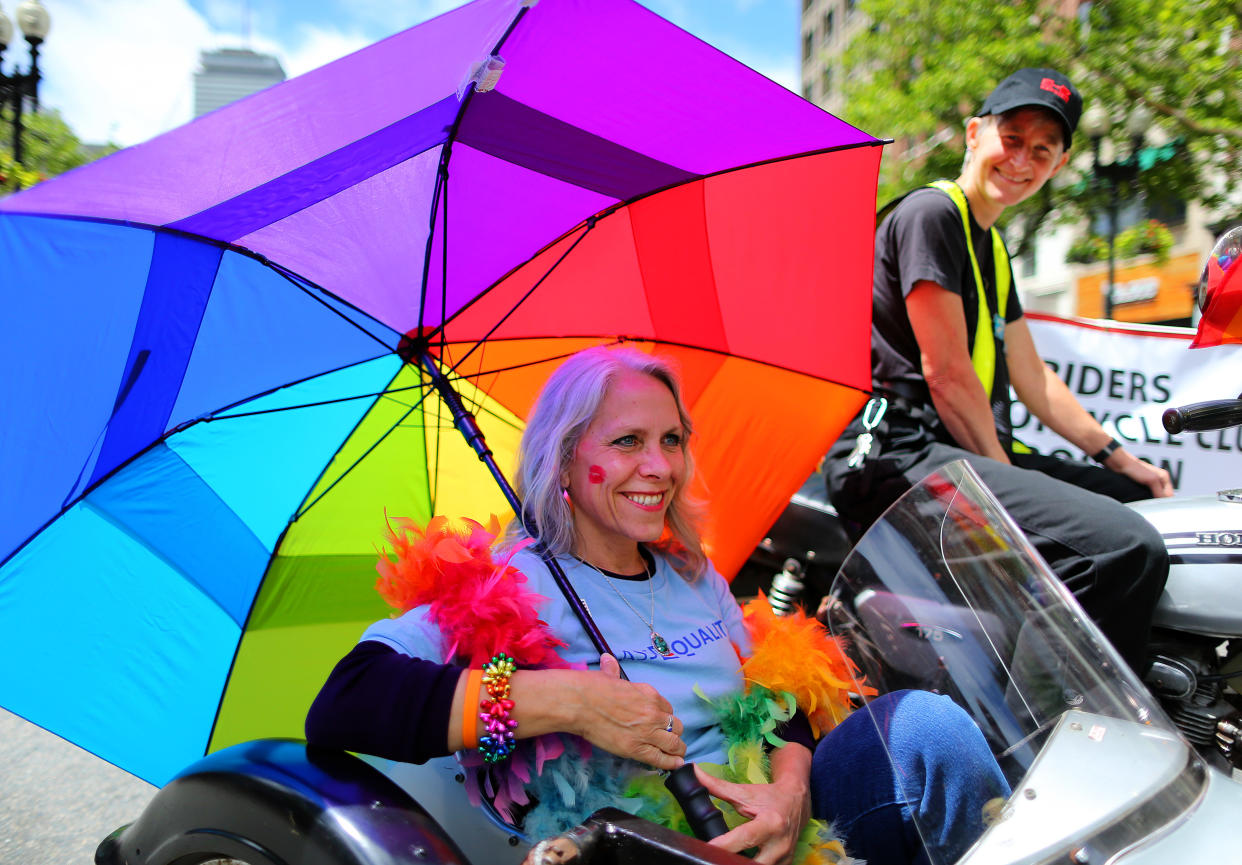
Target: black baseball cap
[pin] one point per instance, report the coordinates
(1042, 88)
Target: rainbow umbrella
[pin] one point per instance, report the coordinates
(207, 406)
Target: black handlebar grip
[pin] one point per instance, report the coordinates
(704, 817)
(1214, 414)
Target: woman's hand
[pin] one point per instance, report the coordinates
(777, 812)
(629, 719)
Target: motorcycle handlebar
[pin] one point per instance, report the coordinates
(1214, 414)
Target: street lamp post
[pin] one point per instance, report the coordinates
(18, 86)
(1116, 174)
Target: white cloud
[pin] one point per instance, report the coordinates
(121, 71)
(357, 23)
(314, 46)
(227, 16)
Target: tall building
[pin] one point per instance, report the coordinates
(231, 73)
(827, 28)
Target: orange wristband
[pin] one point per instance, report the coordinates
(470, 710)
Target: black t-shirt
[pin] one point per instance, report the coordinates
(922, 239)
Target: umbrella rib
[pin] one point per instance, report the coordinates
(302, 511)
(267, 570)
(621, 339)
(433, 486)
(553, 358)
(478, 407)
(590, 223)
(613, 208)
(300, 281)
(317, 404)
(442, 180)
(306, 286)
(184, 425)
(214, 415)
(441, 174)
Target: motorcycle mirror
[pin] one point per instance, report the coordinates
(1221, 269)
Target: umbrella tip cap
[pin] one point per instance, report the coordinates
(413, 345)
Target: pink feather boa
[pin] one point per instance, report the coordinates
(480, 606)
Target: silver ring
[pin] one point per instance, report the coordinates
(668, 728)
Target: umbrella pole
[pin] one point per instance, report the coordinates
(469, 428)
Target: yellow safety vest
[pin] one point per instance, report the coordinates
(983, 353)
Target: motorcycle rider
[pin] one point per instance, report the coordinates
(948, 340)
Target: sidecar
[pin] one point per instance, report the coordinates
(943, 594)
(281, 801)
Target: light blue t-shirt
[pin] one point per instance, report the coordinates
(700, 620)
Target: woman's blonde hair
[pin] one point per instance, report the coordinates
(568, 403)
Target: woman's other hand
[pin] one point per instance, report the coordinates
(776, 812)
(629, 719)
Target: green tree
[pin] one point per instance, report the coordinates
(922, 69)
(49, 147)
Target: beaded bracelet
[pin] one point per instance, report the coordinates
(470, 715)
(497, 744)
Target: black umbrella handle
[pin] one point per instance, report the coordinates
(704, 818)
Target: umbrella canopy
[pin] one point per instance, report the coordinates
(205, 415)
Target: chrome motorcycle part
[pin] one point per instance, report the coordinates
(1229, 739)
(787, 588)
(1203, 535)
(1170, 678)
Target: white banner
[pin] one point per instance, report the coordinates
(1126, 376)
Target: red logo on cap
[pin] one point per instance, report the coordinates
(1059, 89)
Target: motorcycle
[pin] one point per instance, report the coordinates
(1195, 656)
(942, 594)
(1196, 646)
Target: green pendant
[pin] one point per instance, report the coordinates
(660, 644)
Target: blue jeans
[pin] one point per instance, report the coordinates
(925, 804)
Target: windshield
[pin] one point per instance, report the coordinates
(945, 594)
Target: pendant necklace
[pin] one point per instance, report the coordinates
(657, 642)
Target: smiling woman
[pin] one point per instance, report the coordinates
(604, 466)
(629, 466)
(1009, 158)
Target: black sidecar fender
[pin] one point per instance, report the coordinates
(281, 802)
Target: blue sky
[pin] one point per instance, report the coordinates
(121, 70)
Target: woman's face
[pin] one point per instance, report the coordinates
(628, 466)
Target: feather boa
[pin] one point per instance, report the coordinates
(794, 655)
(481, 607)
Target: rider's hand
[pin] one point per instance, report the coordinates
(777, 813)
(629, 719)
(1154, 478)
